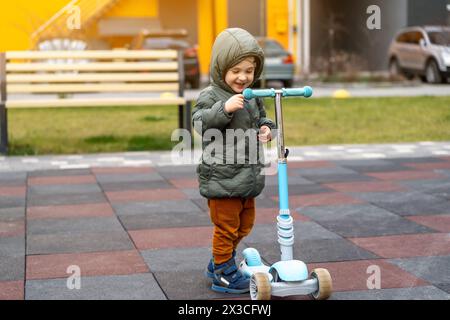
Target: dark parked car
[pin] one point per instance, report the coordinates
(279, 63)
(190, 56)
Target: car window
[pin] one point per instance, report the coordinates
(441, 38)
(412, 37)
(403, 38)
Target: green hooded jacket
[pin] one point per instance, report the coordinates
(228, 168)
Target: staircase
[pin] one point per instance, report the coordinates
(57, 26)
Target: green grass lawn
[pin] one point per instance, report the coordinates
(307, 122)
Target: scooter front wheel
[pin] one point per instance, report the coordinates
(324, 282)
(260, 288)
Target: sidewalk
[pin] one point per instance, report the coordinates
(143, 232)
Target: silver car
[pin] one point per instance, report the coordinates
(422, 51)
(279, 63)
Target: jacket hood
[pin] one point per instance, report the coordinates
(231, 47)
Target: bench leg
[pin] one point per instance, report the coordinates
(180, 116)
(188, 117)
(3, 129)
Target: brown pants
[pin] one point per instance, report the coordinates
(233, 219)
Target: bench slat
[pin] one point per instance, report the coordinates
(113, 87)
(95, 66)
(87, 77)
(93, 54)
(52, 103)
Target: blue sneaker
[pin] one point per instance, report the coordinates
(229, 279)
(210, 268)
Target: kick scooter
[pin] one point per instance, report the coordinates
(288, 276)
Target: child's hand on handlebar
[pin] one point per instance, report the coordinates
(236, 102)
(265, 134)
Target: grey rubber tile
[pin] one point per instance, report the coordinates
(123, 287)
(140, 185)
(78, 242)
(73, 226)
(12, 258)
(63, 189)
(11, 202)
(192, 193)
(331, 178)
(417, 160)
(59, 172)
(65, 199)
(415, 293)
(436, 188)
(273, 181)
(434, 269)
(444, 287)
(362, 221)
(16, 177)
(320, 250)
(190, 285)
(104, 178)
(133, 208)
(7, 214)
(417, 207)
(154, 220)
(298, 189)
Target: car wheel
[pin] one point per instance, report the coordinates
(394, 69)
(432, 73)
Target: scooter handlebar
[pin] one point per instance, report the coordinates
(264, 93)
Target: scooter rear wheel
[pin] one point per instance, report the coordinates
(325, 284)
(260, 288)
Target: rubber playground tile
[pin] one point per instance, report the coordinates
(12, 290)
(178, 259)
(439, 223)
(14, 213)
(46, 180)
(361, 275)
(63, 189)
(56, 173)
(321, 199)
(65, 199)
(12, 258)
(404, 246)
(78, 242)
(73, 226)
(161, 207)
(202, 203)
(13, 191)
(145, 195)
(415, 293)
(121, 170)
(325, 171)
(310, 164)
(10, 178)
(297, 180)
(117, 287)
(167, 220)
(444, 287)
(70, 211)
(362, 221)
(172, 237)
(12, 228)
(192, 193)
(367, 186)
(267, 233)
(405, 175)
(120, 186)
(184, 183)
(428, 166)
(434, 269)
(190, 285)
(417, 207)
(298, 189)
(90, 264)
(269, 215)
(372, 165)
(130, 177)
(316, 250)
(11, 202)
(417, 160)
(334, 178)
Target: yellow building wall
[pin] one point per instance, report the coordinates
(277, 21)
(135, 9)
(19, 18)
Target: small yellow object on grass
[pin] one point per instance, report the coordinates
(341, 94)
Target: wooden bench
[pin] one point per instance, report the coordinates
(91, 78)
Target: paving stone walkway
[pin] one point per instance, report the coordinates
(144, 232)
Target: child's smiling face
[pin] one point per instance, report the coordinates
(240, 76)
